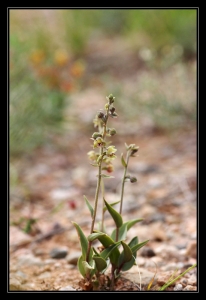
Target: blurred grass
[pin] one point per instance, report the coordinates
(48, 53)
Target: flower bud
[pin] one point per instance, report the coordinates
(112, 131)
(111, 99)
(100, 115)
(96, 135)
(133, 179)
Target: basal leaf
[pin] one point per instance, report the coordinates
(80, 266)
(128, 265)
(126, 254)
(94, 236)
(87, 267)
(133, 242)
(138, 246)
(132, 222)
(100, 262)
(83, 240)
(107, 252)
(106, 241)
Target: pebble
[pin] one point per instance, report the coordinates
(178, 287)
(147, 252)
(73, 258)
(58, 253)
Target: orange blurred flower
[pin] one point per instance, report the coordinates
(61, 57)
(77, 69)
(37, 56)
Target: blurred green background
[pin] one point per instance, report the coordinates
(147, 56)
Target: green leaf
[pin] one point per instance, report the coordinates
(123, 161)
(94, 236)
(87, 267)
(133, 242)
(126, 254)
(132, 222)
(100, 262)
(115, 215)
(138, 246)
(106, 241)
(128, 265)
(89, 206)
(81, 267)
(107, 252)
(122, 233)
(83, 240)
(112, 204)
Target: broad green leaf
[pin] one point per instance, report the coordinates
(115, 215)
(80, 266)
(107, 252)
(123, 161)
(122, 233)
(112, 204)
(138, 246)
(89, 206)
(126, 254)
(87, 267)
(94, 236)
(132, 222)
(95, 251)
(133, 242)
(83, 240)
(106, 241)
(100, 262)
(128, 265)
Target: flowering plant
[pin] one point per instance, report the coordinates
(115, 254)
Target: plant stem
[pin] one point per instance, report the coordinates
(102, 223)
(95, 207)
(97, 189)
(122, 190)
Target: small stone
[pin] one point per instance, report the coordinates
(73, 258)
(147, 252)
(178, 287)
(184, 281)
(59, 253)
(192, 280)
(45, 275)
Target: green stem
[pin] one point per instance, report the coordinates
(102, 223)
(97, 189)
(122, 190)
(95, 207)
